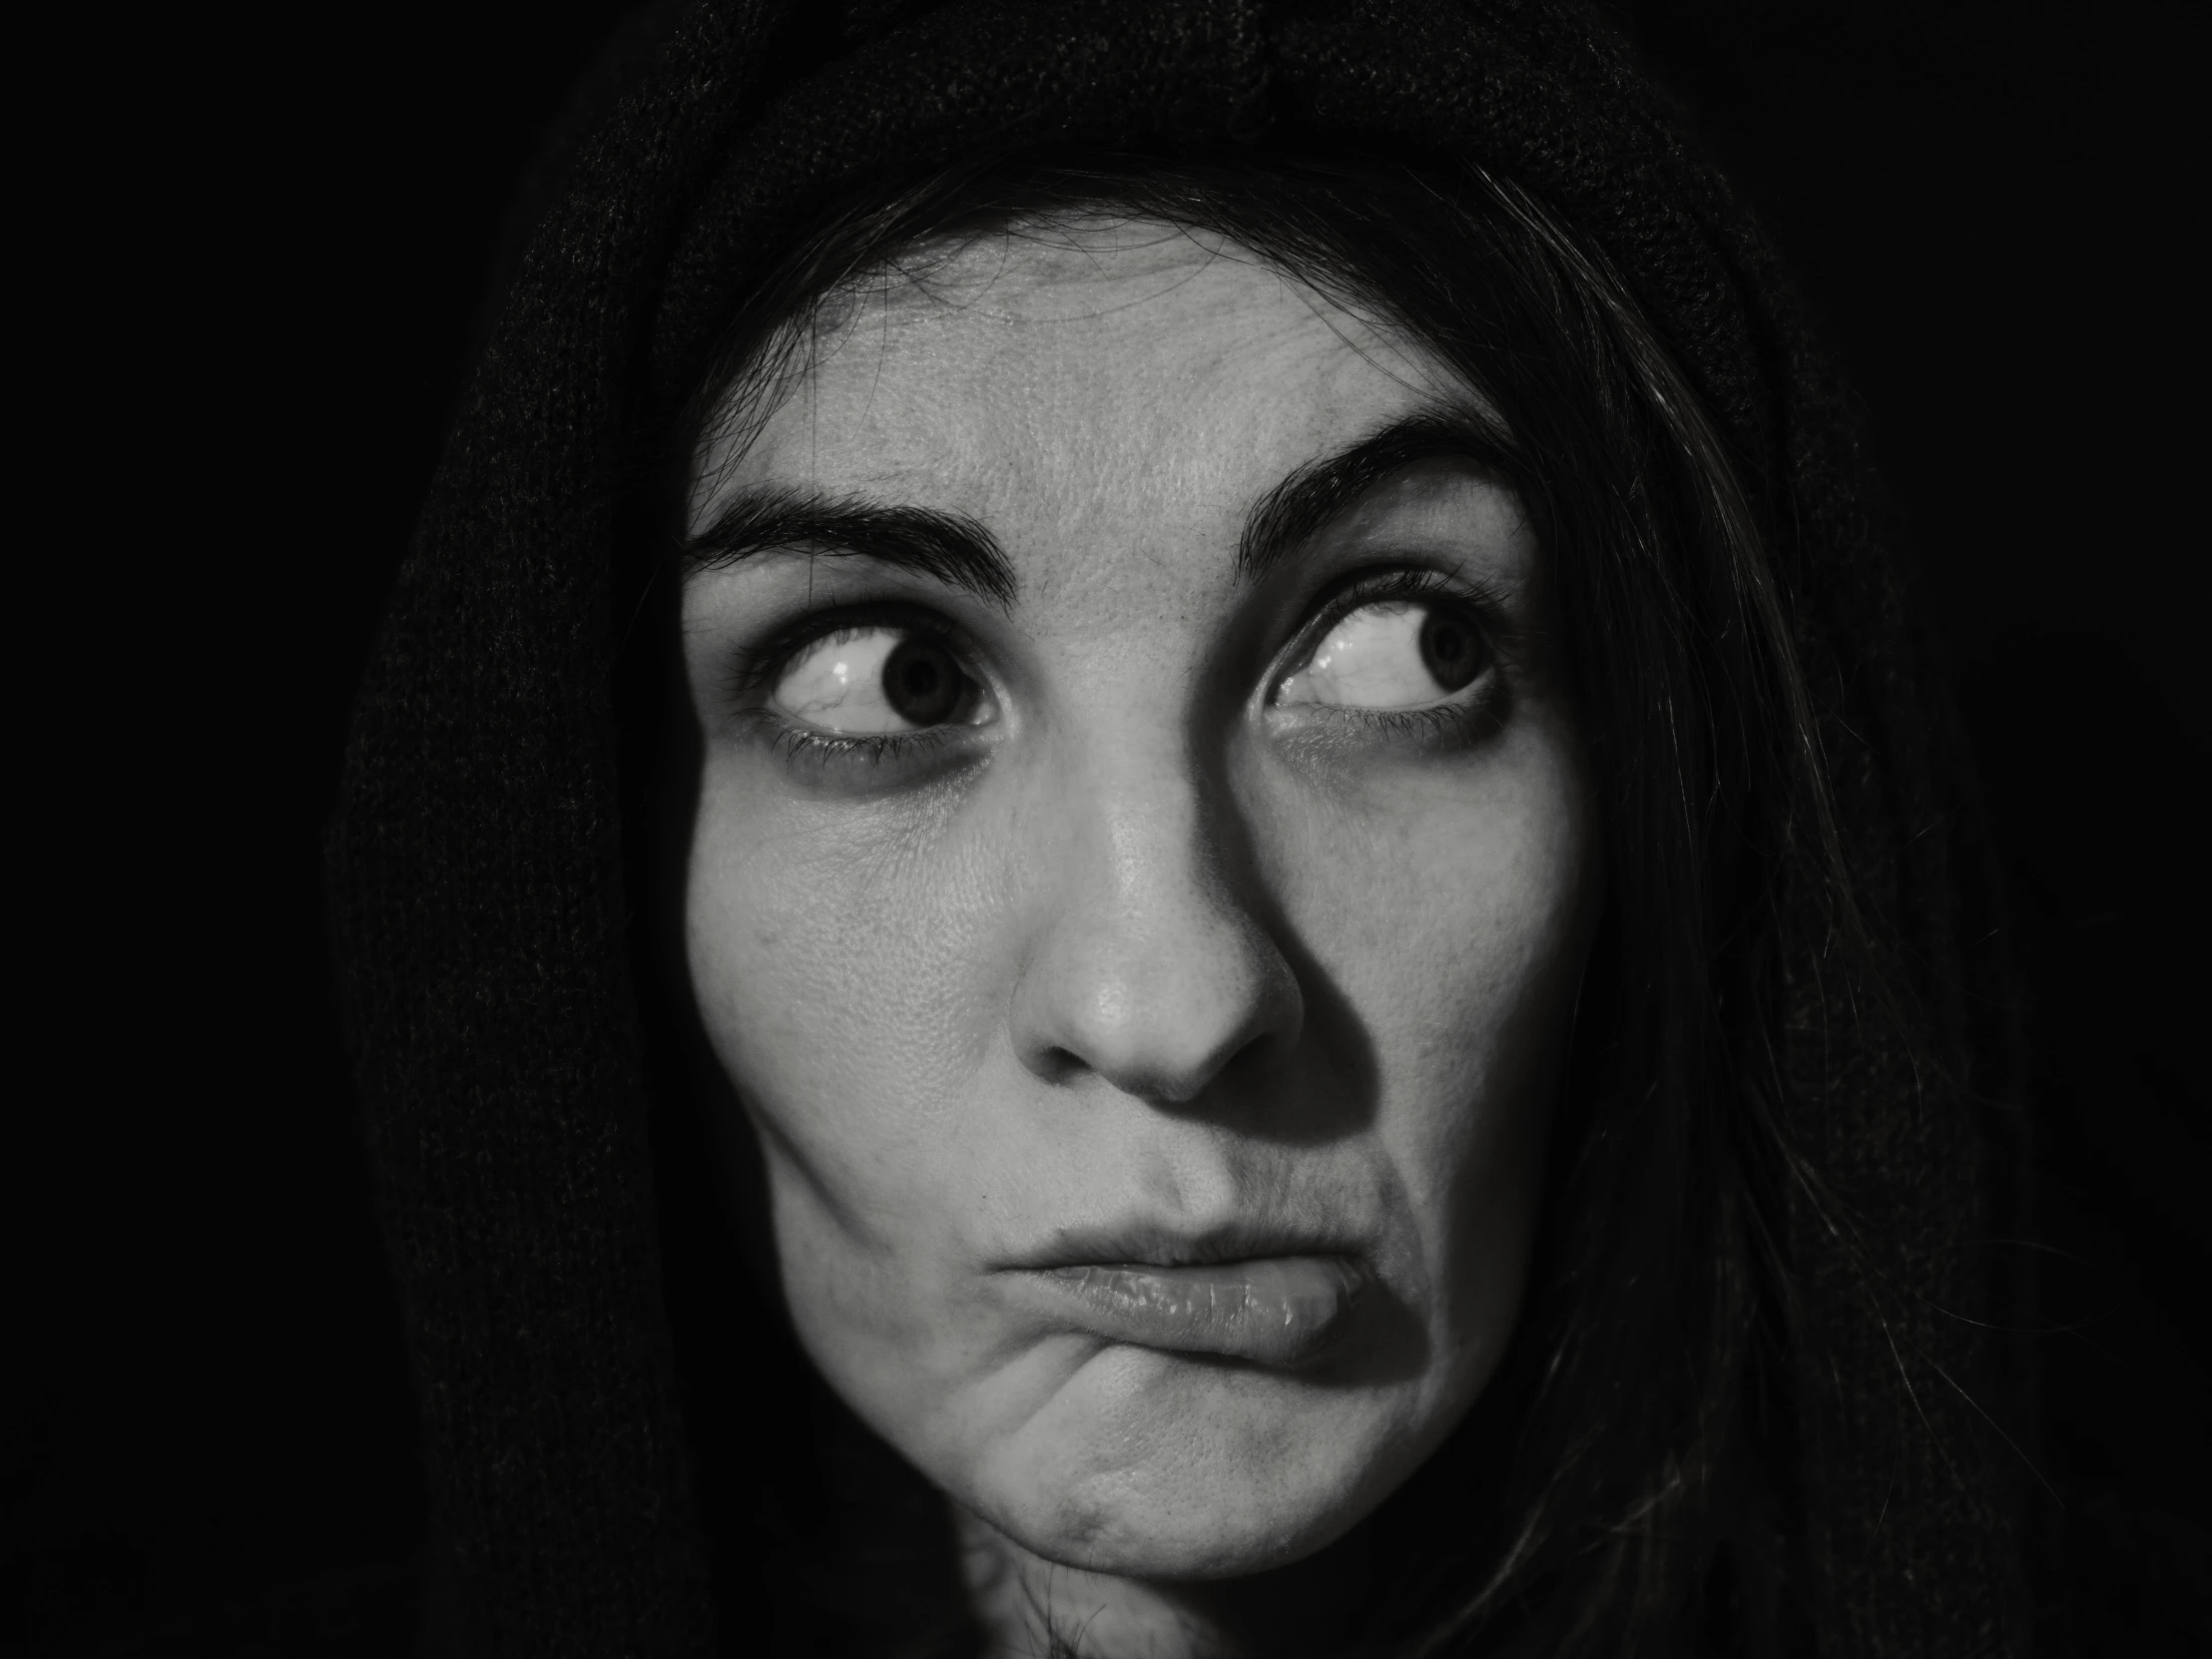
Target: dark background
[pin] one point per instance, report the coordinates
(209, 1442)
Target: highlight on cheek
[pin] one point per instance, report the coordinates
(1399, 653)
(875, 681)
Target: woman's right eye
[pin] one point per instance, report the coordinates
(877, 682)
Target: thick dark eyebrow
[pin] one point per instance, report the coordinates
(1319, 491)
(946, 547)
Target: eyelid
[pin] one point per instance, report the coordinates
(1398, 583)
(821, 750)
(759, 669)
(756, 668)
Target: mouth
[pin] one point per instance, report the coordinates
(1282, 1303)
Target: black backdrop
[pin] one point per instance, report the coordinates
(209, 1435)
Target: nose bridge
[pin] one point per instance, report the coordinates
(1140, 835)
(1149, 968)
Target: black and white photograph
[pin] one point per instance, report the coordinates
(1116, 830)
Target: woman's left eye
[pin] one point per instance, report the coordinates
(1394, 654)
(875, 681)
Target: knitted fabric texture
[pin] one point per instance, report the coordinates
(476, 861)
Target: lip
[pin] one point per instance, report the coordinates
(1280, 1303)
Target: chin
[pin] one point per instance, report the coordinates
(1159, 1467)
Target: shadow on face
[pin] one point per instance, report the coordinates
(1142, 865)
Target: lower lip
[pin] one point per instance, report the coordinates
(1272, 1311)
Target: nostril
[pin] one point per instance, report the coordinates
(1183, 1085)
(1055, 1064)
(1146, 970)
(1161, 1016)
(1162, 1060)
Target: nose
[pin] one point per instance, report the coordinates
(1144, 967)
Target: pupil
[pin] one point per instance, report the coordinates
(1450, 650)
(922, 682)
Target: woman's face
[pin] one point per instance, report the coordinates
(1142, 871)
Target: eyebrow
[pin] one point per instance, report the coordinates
(1319, 491)
(948, 547)
(956, 550)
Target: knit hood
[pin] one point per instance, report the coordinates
(477, 863)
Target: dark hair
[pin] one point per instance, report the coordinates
(1619, 1486)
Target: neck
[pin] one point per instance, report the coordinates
(1033, 1608)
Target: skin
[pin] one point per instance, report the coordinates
(1142, 939)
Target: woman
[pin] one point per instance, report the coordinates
(1242, 674)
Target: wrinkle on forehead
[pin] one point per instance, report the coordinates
(1052, 288)
(1044, 271)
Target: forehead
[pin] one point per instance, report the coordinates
(1131, 382)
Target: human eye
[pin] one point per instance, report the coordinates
(1408, 648)
(862, 704)
(876, 681)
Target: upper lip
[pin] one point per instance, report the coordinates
(1152, 1244)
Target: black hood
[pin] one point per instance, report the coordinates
(477, 862)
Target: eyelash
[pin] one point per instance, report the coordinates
(1413, 583)
(758, 670)
(796, 746)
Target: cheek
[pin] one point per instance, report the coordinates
(851, 967)
(841, 960)
(1450, 909)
